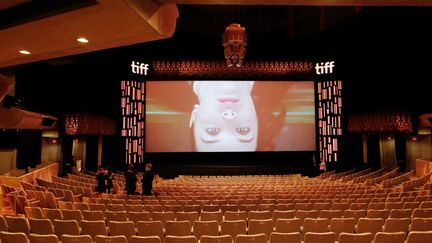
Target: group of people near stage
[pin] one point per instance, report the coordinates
(104, 178)
(147, 180)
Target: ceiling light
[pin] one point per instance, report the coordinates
(24, 52)
(82, 40)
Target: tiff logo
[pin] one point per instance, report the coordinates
(322, 68)
(139, 68)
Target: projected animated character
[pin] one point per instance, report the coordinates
(225, 118)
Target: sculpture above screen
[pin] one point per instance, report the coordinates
(234, 42)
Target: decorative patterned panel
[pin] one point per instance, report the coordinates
(133, 124)
(386, 122)
(86, 124)
(220, 69)
(329, 119)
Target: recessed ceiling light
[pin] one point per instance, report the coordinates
(82, 40)
(24, 52)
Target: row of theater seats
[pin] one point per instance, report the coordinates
(82, 210)
(131, 206)
(226, 227)
(328, 237)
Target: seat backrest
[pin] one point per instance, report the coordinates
(277, 237)
(315, 225)
(81, 206)
(47, 238)
(68, 227)
(205, 228)
(93, 215)
(126, 228)
(372, 225)
(13, 237)
(330, 214)
(357, 214)
(115, 216)
(18, 224)
(355, 238)
(72, 214)
(235, 215)
(65, 205)
(378, 213)
(3, 224)
(34, 212)
(397, 225)
(419, 224)
(150, 228)
(422, 213)
(180, 239)
(111, 239)
(41, 226)
(288, 225)
(257, 238)
(138, 216)
(393, 237)
(189, 216)
(216, 239)
(179, 228)
(233, 227)
(400, 213)
(258, 226)
(419, 237)
(313, 237)
(93, 228)
(52, 213)
(339, 225)
(163, 216)
(76, 239)
(278, 214)
(210, 216)
(144, 239)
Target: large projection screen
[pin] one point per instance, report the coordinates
(225, 116)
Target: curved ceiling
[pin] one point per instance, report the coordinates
(107, 24)
(115, 23)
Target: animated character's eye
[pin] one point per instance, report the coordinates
(213, 131)
(243, 130)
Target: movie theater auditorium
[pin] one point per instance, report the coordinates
(243, 121)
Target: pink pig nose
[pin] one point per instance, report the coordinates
(229, 114)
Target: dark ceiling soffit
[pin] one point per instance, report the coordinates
(39, 9)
